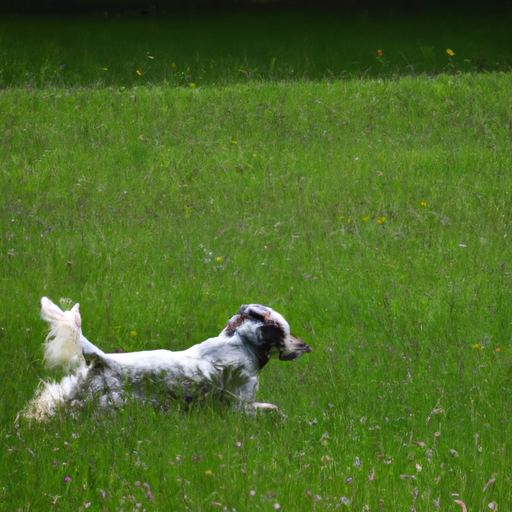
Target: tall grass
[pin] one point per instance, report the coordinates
(372, 213)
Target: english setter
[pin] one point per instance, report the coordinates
(226, 365)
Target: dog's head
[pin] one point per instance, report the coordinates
(267, 332)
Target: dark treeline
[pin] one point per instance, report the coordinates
(155, 7)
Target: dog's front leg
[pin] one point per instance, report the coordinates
(246, 398)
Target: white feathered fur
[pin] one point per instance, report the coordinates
(226, 365)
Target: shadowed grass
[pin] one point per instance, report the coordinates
(252, 46)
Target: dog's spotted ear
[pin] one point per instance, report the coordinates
(234, 323)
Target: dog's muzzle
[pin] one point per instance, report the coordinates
(294, 350)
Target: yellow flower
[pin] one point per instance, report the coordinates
(104, 69)
(173, 64)
(451, 53)
(380, 53)
(423, 203)
(133, 333)
(192, 85)
(219, 259)
(477, 346)
(366, 218)
(138, 72)
(208, 473)
(381, 220)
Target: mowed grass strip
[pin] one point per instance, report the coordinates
(373, 214)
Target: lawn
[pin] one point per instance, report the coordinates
(372, 210)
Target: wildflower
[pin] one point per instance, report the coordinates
(138, 72)
(55, 498)
(498, 349)
(366, 218)
(477, 346)
(219, 259)
(381, 220)
(252, 493)
(357, 462)
(451, 53)
(349, 480)
(173, 64)
(133, 333)
(345, 500)
(67, 479)
(423, 203)
(238, 444)
(192, 85)
(380, 53)
(104, 69)
(208, 473)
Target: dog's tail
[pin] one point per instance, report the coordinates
(62, 347)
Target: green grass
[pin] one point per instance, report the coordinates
(373, 213)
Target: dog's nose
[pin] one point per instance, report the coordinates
(308, 349)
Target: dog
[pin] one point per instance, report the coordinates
(226, 366)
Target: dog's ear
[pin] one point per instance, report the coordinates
(272, 334)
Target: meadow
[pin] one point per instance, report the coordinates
(370, 205)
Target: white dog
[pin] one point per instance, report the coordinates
(226, 365)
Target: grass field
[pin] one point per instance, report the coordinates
(373, 213)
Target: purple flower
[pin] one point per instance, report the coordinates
(67, 479)
(238, 444)
(349, 480)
